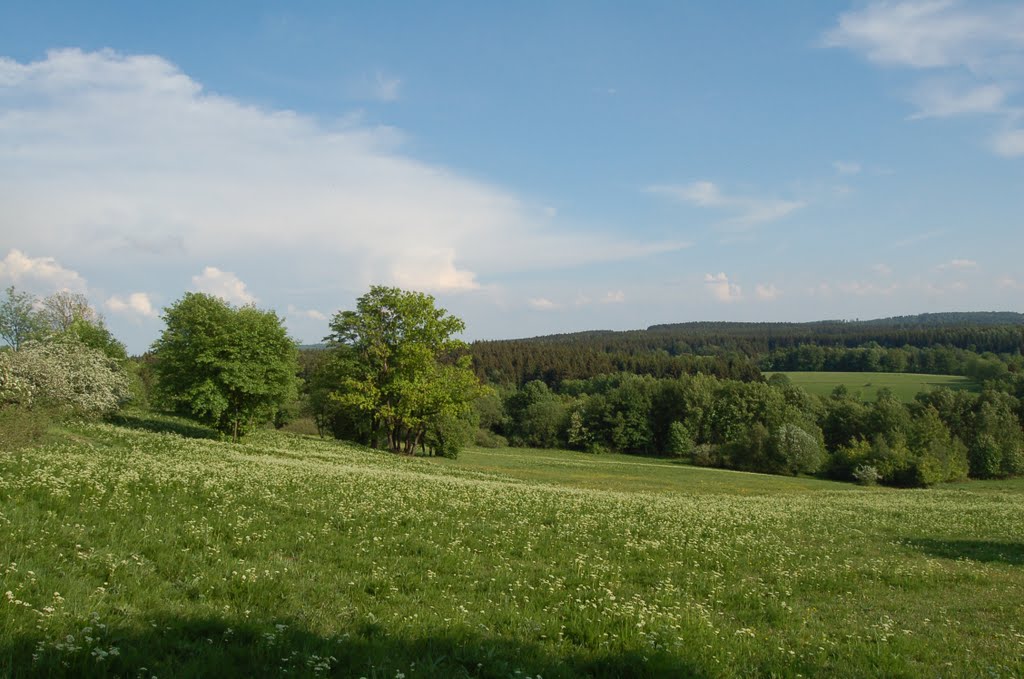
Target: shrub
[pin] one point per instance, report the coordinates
(679, 442)
(706, 455)
(68, 376)
(485, 438)
(798, 450)
(866, 475)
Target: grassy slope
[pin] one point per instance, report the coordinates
(187, 556)
(904, 385)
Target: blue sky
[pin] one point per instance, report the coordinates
(539, 167)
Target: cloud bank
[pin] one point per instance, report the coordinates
(149, 165)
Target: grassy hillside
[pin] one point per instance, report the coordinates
(131, 553)
(866, 385)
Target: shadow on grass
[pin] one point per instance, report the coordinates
(164, 424)
(210, 647)
(988, 551)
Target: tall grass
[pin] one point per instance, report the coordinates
(133, 553)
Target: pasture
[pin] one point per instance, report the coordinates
(133, 553)
(866, 385)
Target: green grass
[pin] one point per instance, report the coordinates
(628, 473)
(866, 385)
(138, 554)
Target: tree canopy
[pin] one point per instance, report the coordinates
(228, 366)
(401, 366)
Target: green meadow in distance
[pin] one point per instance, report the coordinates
(866, 384)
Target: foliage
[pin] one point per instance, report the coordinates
(799, 451)
(19, 321)
(401, 369)
(64, 374)
(229, 367)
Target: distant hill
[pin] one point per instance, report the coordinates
(735, 350)
(943, 319)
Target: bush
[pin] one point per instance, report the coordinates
(866, 475)
(485, 438)
(680, 442)
(707, 455)
(67, 375)
(798, 450)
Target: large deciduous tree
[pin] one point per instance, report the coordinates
(227, 366)
(19, 320)
(404, 370)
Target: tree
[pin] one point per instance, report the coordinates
(61, 309)
(405, 372)
(19, 321)
(227, 366)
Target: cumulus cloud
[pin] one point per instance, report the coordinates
(613, 297)
(746, 211)
(223, 284)
(434, 270)
(40, 272)
(767, 292)
(136, 304)
(721, 288)
(543, 304)
(312, 314)
(122, 139)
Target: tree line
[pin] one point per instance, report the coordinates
(770, 426)
(933, 343)
(393, 375)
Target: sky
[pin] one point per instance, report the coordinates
(538, 167)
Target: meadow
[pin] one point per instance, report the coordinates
(137, 553)
(865, 385)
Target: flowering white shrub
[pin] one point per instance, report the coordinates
(14, 389)
(65, 373)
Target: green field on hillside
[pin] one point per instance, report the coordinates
(140, 554)
(866, 385)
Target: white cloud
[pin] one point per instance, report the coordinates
(121, 139)
(1009, 143)
(223, 284)
(977, 50)
(386, 88)
(137, 304)
(846, 167)
(958, 264)
(311, 314)
(939, 100)
(41, 272)
(614, 297)
(543, 304)
(434, 270)
(747, 211)
(930, 33)
(767, 292)
(861, 288)
(1009, 283)
(916, 238)
(721, 289)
